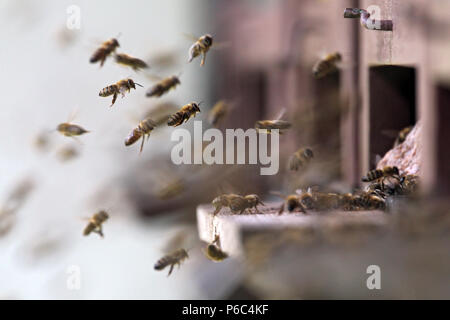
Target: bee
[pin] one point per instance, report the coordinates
(378, 173)
(236, 203)
(402, 135)
(143, 129)
(160, 113)
(218, 112)
(67, 153)
(272, 124)
(163, 86)
(104, 51)
(95, 223)
(71, 130)
(292, 202)
(200, 47)
(171, 260)
(173, 189)
(315, 200)
(409, 183)
(368, 201)
(300, 158)
(347, 202)
(391, 185)
(42, 141)
(127, 60)
(213, 252)
(327, 65)
(183, 114)
(119, 87)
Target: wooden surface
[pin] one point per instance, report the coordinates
(233, 229)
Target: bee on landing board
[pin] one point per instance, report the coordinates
(236, 203)
(175, 258)
(118, 88)
(104, 51)
(143, 129)
(213, 251)
(184, 114)
(129, 61)
(300, 158)
(378, 173)
(326, 65)
(200, 47)
(163, 86)
(95, 223)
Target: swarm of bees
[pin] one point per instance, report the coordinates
(237, 203)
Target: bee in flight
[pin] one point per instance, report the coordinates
(213, 251)
(67, 153)
(171, 260)
(184, 114)
(378, 173)
(95, 223)
(326, 65)
(270, 125)
(129, 61)
(120, 87)
(200, 47)
(143, 129)
(300, 158)
(163, 86)
(70, 130)
(218, 112)
(104, 51)
(402, 135)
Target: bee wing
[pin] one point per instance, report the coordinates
(190, 36)
(221, 45)
(281, 114)
(153, 77)
(390, 133)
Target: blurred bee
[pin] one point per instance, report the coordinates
(119, 87)
(143, 129)
(67, 153)
(315, 200)
(42, 141)
(327, 65)
(173, 189)
(378, 173)
(95, 223)
(129, 61)
(184, 114)
(161, 112)
(236, 203)
(218, 112)
(104, 51)
(70, 130)
(368, 201)
(402, 135)
(292, 202)
(272, 124)
(200, 47)
(163, 86)
(347, 202)
(171, 260)
(409, 183)
(391, 185)
(213, 252)
(300, 158)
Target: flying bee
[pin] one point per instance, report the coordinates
(326, 65)
(70, 130)
(129, 61)
(378, 173)
(300, 158)
(163, 86)
(67, 153)
(95, 223)
(104, 51)
(120, 87)
(143, 129)
(218, 112)
(272, 124)
(173, 189)
(200, 47)
(402, 135)
(213, 252)
(185, 113)
(171, 260)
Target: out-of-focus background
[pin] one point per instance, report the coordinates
(386, 81)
